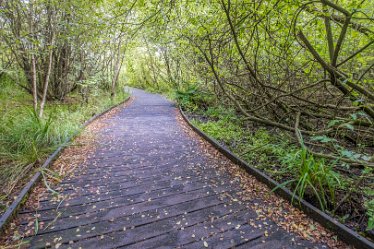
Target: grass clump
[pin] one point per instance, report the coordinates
(312, 176)
(23, 136)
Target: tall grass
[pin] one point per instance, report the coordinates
(312, 176)
(24, 137)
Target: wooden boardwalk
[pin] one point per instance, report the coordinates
(149, 185)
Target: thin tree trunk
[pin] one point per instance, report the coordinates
(33, 60)
(116, 76)
(34, 86)
(46, 82)
(117, 69)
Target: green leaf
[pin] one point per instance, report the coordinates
(348, 126)
(334, 122)
(36, 225)
(323, 139)
(347, 153)
(354, 116)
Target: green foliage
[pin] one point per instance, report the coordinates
(10, 95)
(185, 98)
(259, 148)
(24, 136)
(224, 132)
(192, 98)
(343, 152)
(137, 75)
(273, 154)
(370, 213)
(323, 139)
(312, 176)
(221, 112)
(369, 203)
(265, 150)
(224, 125)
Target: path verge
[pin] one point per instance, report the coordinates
(22, 196)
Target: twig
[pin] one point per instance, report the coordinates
(347, 195)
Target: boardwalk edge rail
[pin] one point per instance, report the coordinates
(344, 233)
(22, 196)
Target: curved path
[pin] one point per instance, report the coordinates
(149, 185)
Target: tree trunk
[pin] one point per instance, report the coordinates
(46, 82)
(33, 60)
(34, 85)
(117, 69)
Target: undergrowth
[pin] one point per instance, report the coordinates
(307, 176)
